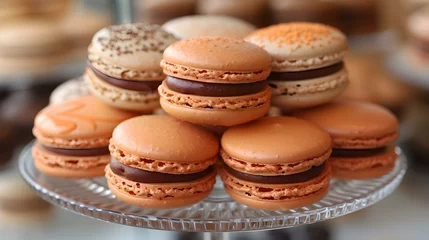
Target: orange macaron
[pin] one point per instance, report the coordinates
(73, 137)
(161, 162)
(276, 163)
(363, 136)
(216, 81)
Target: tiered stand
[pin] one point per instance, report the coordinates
(214, 215)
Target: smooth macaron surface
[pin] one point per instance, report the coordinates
(301, 46)
(354, 125)
(165, 138)
(208, 25)
(83, 118)
(130, 51)
(239, 61)
(276, 140)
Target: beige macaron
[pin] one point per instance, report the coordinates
(208, 26)
(307, 67)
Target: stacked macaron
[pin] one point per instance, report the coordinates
(73, 137)
(363, 136)
(276, 163)
(307, 67)
(161, 162)
(123, 68)
(215, 81)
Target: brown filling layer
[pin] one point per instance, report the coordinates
(305, 75)
(353, 153)
(143, 176)
(141, 86)
(79, 152)
(314, 172)
(213, 89)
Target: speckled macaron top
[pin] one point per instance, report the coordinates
(216, 59)
(208, 25)
(354, 125)
(165, 138)
(276, 140)
(84, 122)
(301, 46)
(418, 24)
(130, 51)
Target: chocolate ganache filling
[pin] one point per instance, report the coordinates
(143, 176)
(308, 74)
(356, 153)
(312, 173)
(214, 89)
(141, 86)
(79, 152)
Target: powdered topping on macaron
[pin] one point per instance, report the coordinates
(130, 51)
(301, 46)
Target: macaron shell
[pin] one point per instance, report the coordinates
(129, 51)
(208, 25)
(142, 102)
(277, 196)
(164, 138)
(68, 166)
(364, 167)
(276, 140)
(273, 169)
(216, 59)
(308, 93)
(160, 196)
(418, 23)
(354, 125)
(82, 118)
(301, 46)
(158, 165)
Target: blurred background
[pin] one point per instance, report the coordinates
(43, 43)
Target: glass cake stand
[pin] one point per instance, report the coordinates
(218, 213)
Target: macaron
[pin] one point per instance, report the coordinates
(307, 68)
(215, 81)
(123, 69)
(73, 137)
(208, 26)
(363, 136)
(30, 46)
(71, 89)
(418, 28)
(276, 163)
(161, 162)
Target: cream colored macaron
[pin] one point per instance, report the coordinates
(307, 67)
(208, 26)
(124, 65)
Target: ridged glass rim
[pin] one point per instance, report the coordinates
(281, 219)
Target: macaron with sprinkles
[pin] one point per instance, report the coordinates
(307, 67)
(276, 163)
(73, 137)
(215, 81)
(161, 162)
(363, 136)
(123, 68)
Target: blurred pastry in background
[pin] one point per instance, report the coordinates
(78, 28)
(160, 11)
(30, 46)
(358, 17)
(305, 11)
(418, 28)
(208, 26)
(71, 89)
(18, 203)
(11, 9)
(253, 11)
(49, 8)
(371, 83)
(7, 143)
